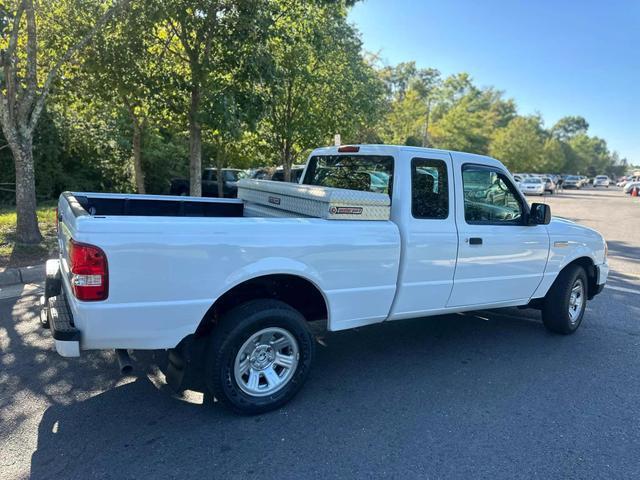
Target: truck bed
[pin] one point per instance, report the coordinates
(257, 198)
(104, 204)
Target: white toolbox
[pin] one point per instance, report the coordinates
(313, 201)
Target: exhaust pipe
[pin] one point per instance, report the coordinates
(124, 361)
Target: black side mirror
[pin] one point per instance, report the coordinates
(540, 214)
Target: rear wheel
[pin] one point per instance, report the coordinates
(564, 306)
(259, 356)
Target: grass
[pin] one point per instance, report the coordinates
(14, 254)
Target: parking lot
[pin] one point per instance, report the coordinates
(486, 394)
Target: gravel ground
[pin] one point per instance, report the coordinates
(486, 394)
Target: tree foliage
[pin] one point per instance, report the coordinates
(155, 90)
(453, 113)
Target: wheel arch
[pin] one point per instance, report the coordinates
(295, 290)
(589, 267)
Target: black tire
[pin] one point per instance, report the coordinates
(233, 330)
(555, 307)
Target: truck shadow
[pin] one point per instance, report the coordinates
(625, 250)
(369, 386)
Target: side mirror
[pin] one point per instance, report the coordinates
(540, 214)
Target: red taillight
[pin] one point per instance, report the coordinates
(348, 149)
(89, 273)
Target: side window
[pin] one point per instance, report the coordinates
(208, 175)
(429, 189)
(490, 197)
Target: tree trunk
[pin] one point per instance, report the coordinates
(27, 230)
(195, 144)
(286, 161)
(137, 155)
(219, 164)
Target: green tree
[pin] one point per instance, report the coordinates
(212, 36)
(410, 94)
(466, 126)
(568, 127)
(25, 83)
(590, 154)
(124, 66)
(520, 144)
(554, 156)
(321, 84)
(405, 120)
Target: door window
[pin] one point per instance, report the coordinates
(490, 197)
(209, 176)
(429, 189)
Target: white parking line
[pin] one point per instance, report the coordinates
(623, 289)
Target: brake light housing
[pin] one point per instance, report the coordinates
(349, 149)
(89, 272)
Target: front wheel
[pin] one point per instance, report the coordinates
(259, 356)
(566, 301)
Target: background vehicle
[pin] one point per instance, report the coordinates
(572, 181)
(229, 285)
(296, 173)
(601, 181)
(260, 173)
(627, 179)
(549, 185)
(230, 179)
(518, 179)
(629, 186)
(532, 186)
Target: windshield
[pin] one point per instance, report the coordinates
(234, 175)
(533, 180)
(573, 177)
(370, 173)
(602, 177)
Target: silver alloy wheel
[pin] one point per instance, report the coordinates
(266, 362)
(576, 301)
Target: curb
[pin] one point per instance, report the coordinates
(22, 275)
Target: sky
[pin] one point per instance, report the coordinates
(556, 58)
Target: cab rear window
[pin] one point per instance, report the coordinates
(369, 173)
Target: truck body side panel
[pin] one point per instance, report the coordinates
(165, 272)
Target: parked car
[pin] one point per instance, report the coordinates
(601, 181)
(572, 181)
(260, 173)
(549, 185)
(627, 179)
(296, 173)
(230, 177)
(628, 188)
(532, 186)
(230, 293)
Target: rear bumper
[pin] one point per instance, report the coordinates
(57, 314)
(65, 335)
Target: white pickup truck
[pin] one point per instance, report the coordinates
(372, 233)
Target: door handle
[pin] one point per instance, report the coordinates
(475, 241)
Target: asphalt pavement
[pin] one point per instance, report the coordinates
(486, 394)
